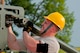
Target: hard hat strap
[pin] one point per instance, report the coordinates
(47, 28)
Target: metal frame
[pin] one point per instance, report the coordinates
(7, 9)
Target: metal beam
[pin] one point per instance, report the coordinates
(66, 47)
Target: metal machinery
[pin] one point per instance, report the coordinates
(14, 11)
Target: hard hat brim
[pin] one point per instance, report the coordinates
(45, 17)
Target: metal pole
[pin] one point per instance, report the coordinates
(66, 47)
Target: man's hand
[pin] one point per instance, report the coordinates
(8, 21)
(7, 25)
(28, 27)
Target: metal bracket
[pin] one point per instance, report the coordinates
(16, 11)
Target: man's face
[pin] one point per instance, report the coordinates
(45, 24)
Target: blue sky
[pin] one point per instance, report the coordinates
(73, 6)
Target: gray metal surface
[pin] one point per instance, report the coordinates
(16, 11)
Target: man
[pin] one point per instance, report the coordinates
(47, 42)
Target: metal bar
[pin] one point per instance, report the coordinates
(66, 47)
